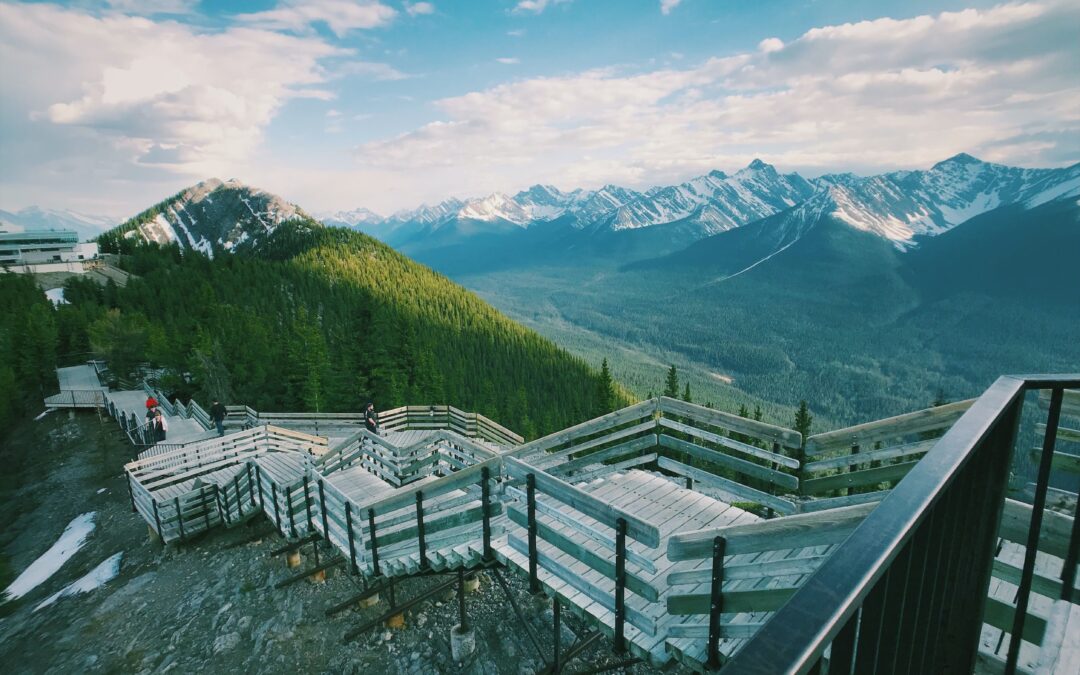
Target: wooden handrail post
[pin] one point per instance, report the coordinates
(716, 603)
(179, 518)
(277, 511)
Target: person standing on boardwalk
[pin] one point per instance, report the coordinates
(151, 402)
(371, 419)
(161, 425)
(217, 413)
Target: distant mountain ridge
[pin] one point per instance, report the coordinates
(900, 206)
(37, 218)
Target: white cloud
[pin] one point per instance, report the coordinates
(872, 95)
(516, 33)
(94, 100)
(667, 5)
(341, 16)
(151, 7)
(418, 8)
(771, 45)
(509, 60)
(536, 6)
(369, 69)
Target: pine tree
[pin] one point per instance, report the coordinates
(671, 386)
(803, 420)
(686, 394)
(743, 412)
(757, 413)
(605, 390)
(939, 399)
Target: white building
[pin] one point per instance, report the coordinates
(36, 247)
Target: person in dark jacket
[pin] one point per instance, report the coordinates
(371, 419)
(161, 425)
(217, 413)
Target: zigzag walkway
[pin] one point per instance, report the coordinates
(619, 518)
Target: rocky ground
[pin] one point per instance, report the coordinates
(210, 605)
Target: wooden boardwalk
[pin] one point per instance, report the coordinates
(605, 510)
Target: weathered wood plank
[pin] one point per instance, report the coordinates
(777, 568)
(754, 600)
(837, 502)
(894, 452)
(1000, 615)
(636, 445)
(590, 427)
(730, 443)
(1040, 584)
(406, 496)
(598, 595)
(1053, 537)
(639, 529)
(798, 531)
(881, 474)
(553, 458)
(1060, 647)
(582, 552)
(579, 478)
(869, 433)
(1059, 461)
(727, 630)
(1063, 433)
(730, 486)
(788, 438)
(784, 480)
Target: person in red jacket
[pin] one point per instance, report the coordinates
(151, 402)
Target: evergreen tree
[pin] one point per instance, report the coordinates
(605, 390)
(803, 420)
(939, 399)
(671, 386)
(757, 413)
(686, 393)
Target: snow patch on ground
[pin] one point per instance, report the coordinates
(69, 543)
(47, 411)
(99, 576)
(56, 296)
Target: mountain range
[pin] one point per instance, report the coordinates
(37, 218)
(899, 206)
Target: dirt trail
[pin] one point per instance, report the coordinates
(208, 606)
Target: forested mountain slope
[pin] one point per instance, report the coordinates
(306, 317)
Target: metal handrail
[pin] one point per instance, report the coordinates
(823, 611)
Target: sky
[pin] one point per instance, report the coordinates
(108, 106)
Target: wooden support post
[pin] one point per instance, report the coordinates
(620, 585)
(157, 519)
(131, 493)
(463, 621)
(716, 603)
(852, 468)
(530, 491)
(179, 518)
(352, 545)
(258, 486)
(485, 502)
(223, 494)
(374, 544)
(236, 491)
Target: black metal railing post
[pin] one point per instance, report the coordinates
(420, 540)
(556, 610)
(485, 505)
(289, 508)
(530, 494)
(352, 544)
(236, 491)
(620, 585)
(179, 518)
(307, 504)
(1032, 547)
(277, 511)
(322, 509)
(374, 543)
(716, 603)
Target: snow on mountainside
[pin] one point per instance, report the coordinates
(903, 205)
(214, 213)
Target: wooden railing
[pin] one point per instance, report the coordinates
(77, 398)
(564, 506)
(448, 417)
(865, 461)
(907, 590)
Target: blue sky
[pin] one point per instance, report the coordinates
(109, 106)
